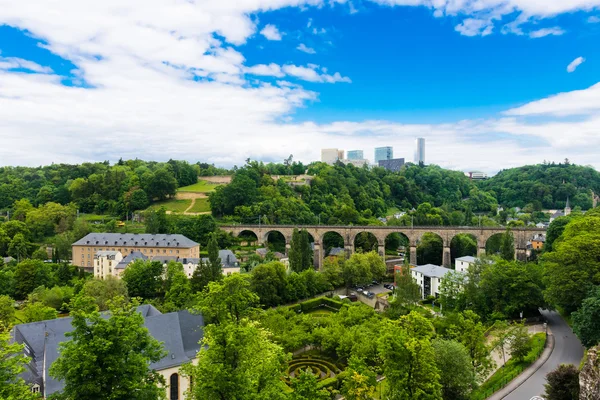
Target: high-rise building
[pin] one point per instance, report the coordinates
(393, 165)
(355, 155)
(383, 153)
(420, 151)
(331, 156)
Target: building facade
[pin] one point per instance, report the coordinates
(331, 156)
(429, 277)
(462, 264)
(180, 332)
(357, 162)
(105, 263)
(393, 165)
(355, 155)
(383, 153)
(149, 245)
(420, 151)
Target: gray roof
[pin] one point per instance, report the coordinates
(165, 259)
(432, 271)
(228, 259)
(136, 240)
(109, 254)
(189, 260)
(558, 214)
(131, 257)
(180, 333)
(469, 259)
(336, 251)
(263, 252)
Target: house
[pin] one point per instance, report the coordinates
(125, 243)
(105, 263)
(262, 252)
(541, 225)
(229, 262)
(557, 214)
(180, 332)
(462, 264)
(537, 243)
(131, 257)
(429, 277)
(337, 251)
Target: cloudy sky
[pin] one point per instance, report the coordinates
(490, 84)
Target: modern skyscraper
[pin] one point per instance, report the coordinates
(355, 155)
(420, 151)
(383, 153)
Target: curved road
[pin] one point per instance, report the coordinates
(567, 350)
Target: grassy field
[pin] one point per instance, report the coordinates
(200, 187)
(201, 205)
(177, 206)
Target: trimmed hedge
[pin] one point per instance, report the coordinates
(319, 302)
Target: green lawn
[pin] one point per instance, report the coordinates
(201, 205)
(200, 187)
(173, 205)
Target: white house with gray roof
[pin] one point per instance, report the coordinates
(429, 277)
(180, 333)
(462, 264)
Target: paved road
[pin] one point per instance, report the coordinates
(567, 350)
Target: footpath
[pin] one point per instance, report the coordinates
(525, 375)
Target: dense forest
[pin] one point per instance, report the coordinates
(545, 186)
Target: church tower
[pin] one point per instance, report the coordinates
(567, 208)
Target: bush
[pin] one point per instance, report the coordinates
(314, 304)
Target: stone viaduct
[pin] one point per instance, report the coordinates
(414, 234)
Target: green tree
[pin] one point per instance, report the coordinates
(214, 262)
(104, 290)
(18, 247)
(12, 364)
(40, 254)
(563, 383)
(456, 373)
(572, 269)
(409, 363)
(179, 291)
(269, 282)
(110, 357)
(332, 270)
(229, 300)
(407, 292)
(305, 388)
(430, 249)
(34, 312)
(156, 221)
(507, 246)
(362, 268)
(520, 343)
(360, 381)
(300, 254)
(144, 279)
(30, 274)
(7, 311)
(586, 320)
(237, 361)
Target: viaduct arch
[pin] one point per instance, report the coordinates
(521, 236)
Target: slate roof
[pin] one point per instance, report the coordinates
(109, 254)
(136, 240)
(165, 259)
(469, 259)
(180, 333)
(432, 271)
(228, 259)
(131, 257)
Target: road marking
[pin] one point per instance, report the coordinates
(537, 398)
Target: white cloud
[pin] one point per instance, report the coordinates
(593, 19)
(10, 63)
(475, 27)
(166, 82)
(540, 33)
(271, 32)
(302, 47)
(574, 64)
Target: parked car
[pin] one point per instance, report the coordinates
(370, 295)
(375, 282)
(359, 289)
(353, 297)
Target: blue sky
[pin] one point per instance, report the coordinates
(486, 82)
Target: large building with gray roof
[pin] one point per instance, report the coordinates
(149, 245)
(180, 332)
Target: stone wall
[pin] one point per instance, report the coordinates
(589, 377)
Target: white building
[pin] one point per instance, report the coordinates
(331, 156)
(356, 162)
(462, 264)
(105, 263)
(429, 277)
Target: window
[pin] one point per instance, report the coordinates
(164, 251)
(171, 251)
(177, 251)
(174, 387)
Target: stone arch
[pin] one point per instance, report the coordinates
(249, 236)
(432, 249)
(276, 240)
(463, 244)
(332, 240)
(493, 243)
(398, 242)
(366, 241)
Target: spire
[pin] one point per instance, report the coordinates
(567, 207)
